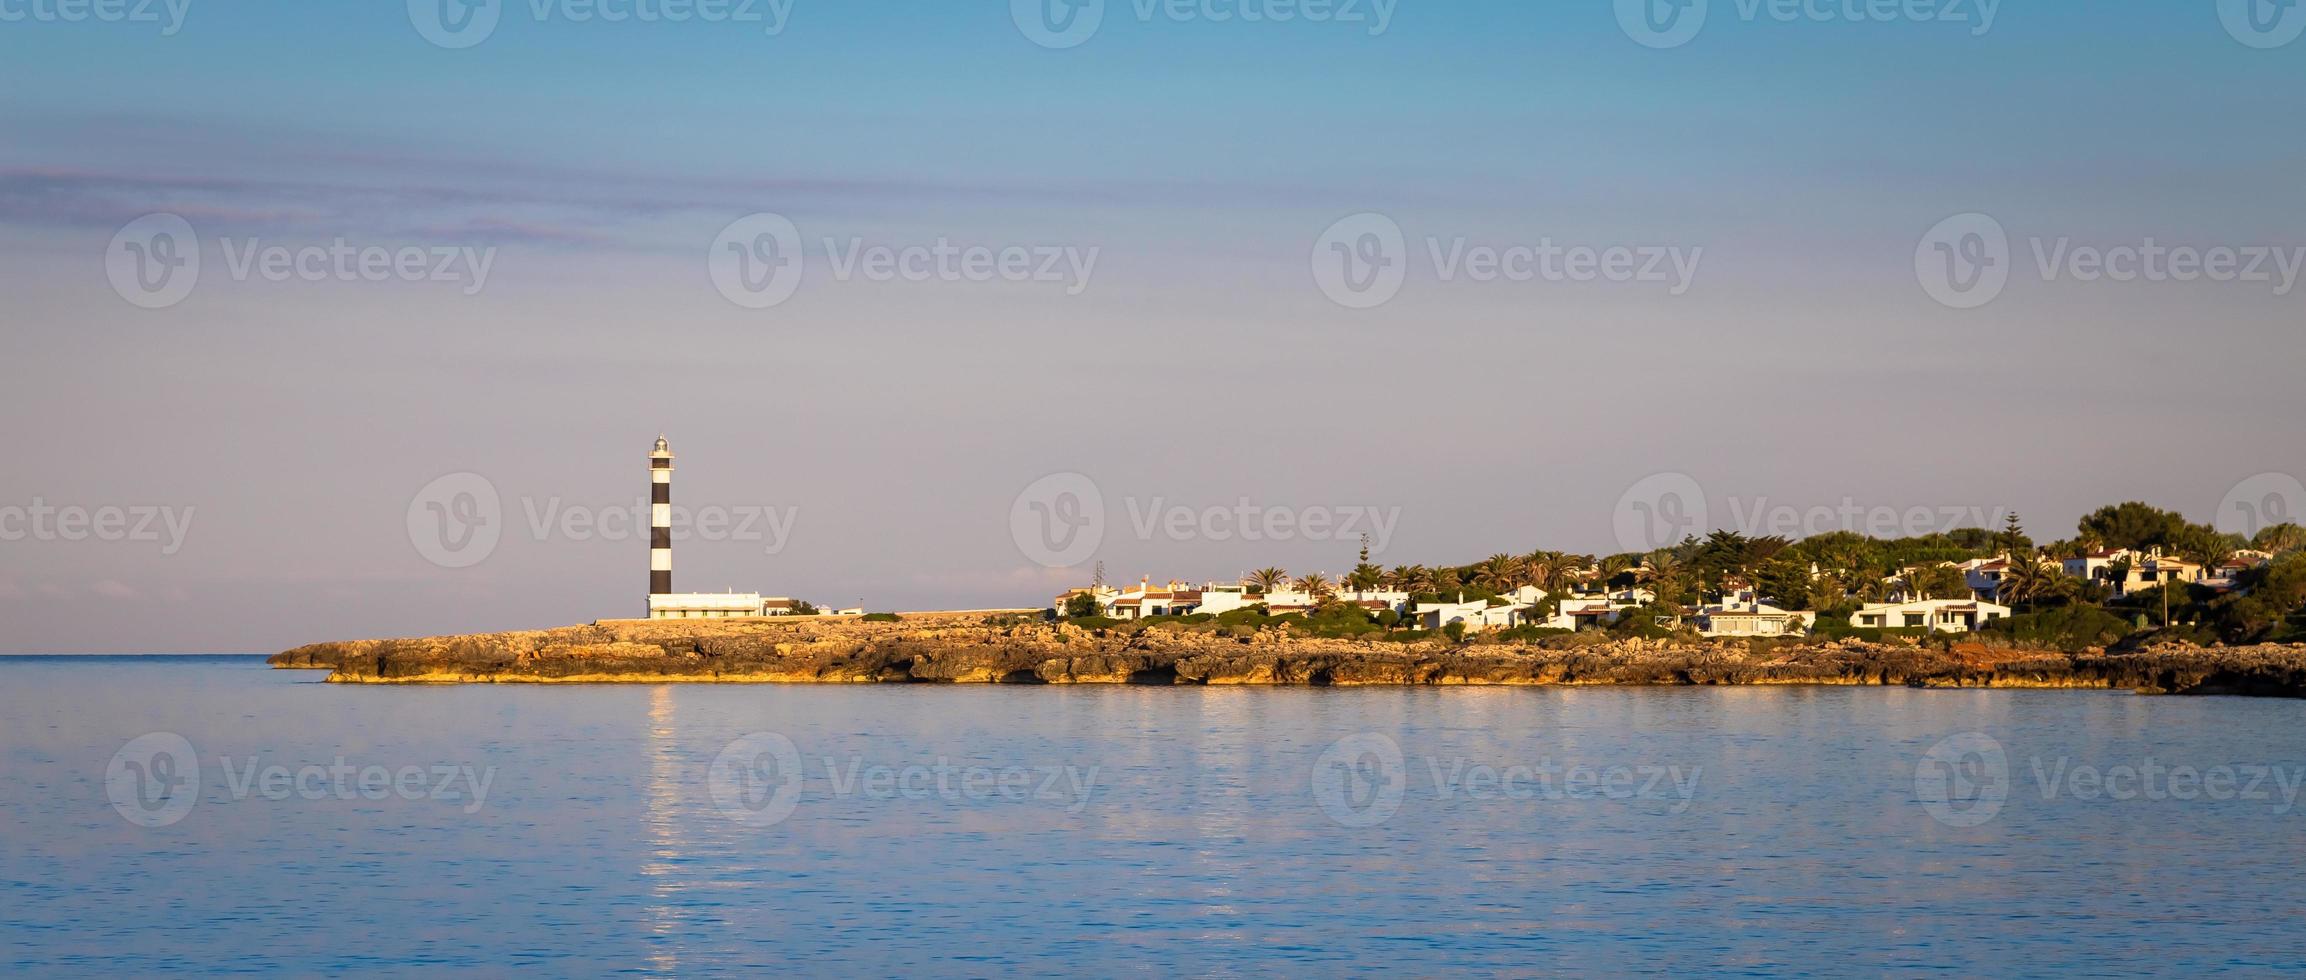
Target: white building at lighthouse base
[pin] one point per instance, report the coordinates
(718, 605)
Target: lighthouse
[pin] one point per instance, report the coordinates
(660, 521)
(664, 603)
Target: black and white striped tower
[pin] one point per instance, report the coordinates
(661, 519)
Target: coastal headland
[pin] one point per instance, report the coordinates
(1017, 647)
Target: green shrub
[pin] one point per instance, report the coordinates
(2068, 628)
(1251, 616)
(1339, 621)
(882, 617)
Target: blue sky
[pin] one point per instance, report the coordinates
(1202, 160)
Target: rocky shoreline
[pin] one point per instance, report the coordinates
(977, 648)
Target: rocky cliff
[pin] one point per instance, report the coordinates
(980, 649)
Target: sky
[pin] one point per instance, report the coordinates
(943, 304)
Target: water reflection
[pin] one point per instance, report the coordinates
(1803, 848)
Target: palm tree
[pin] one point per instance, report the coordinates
(1316, 586)
(1616, 565)
(1874, 588)
(1547, 570)
(2029, 580)
(2280, 538)
(1499, 574)
(1265, 580)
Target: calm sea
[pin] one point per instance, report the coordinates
(208, 814)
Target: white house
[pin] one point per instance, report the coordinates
(1585, 614)
(1218, 599)
(2158, 569)
(1475, 615)
(2145, 571)
(1937, 615)
(2093, 564)
(1744, 614)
